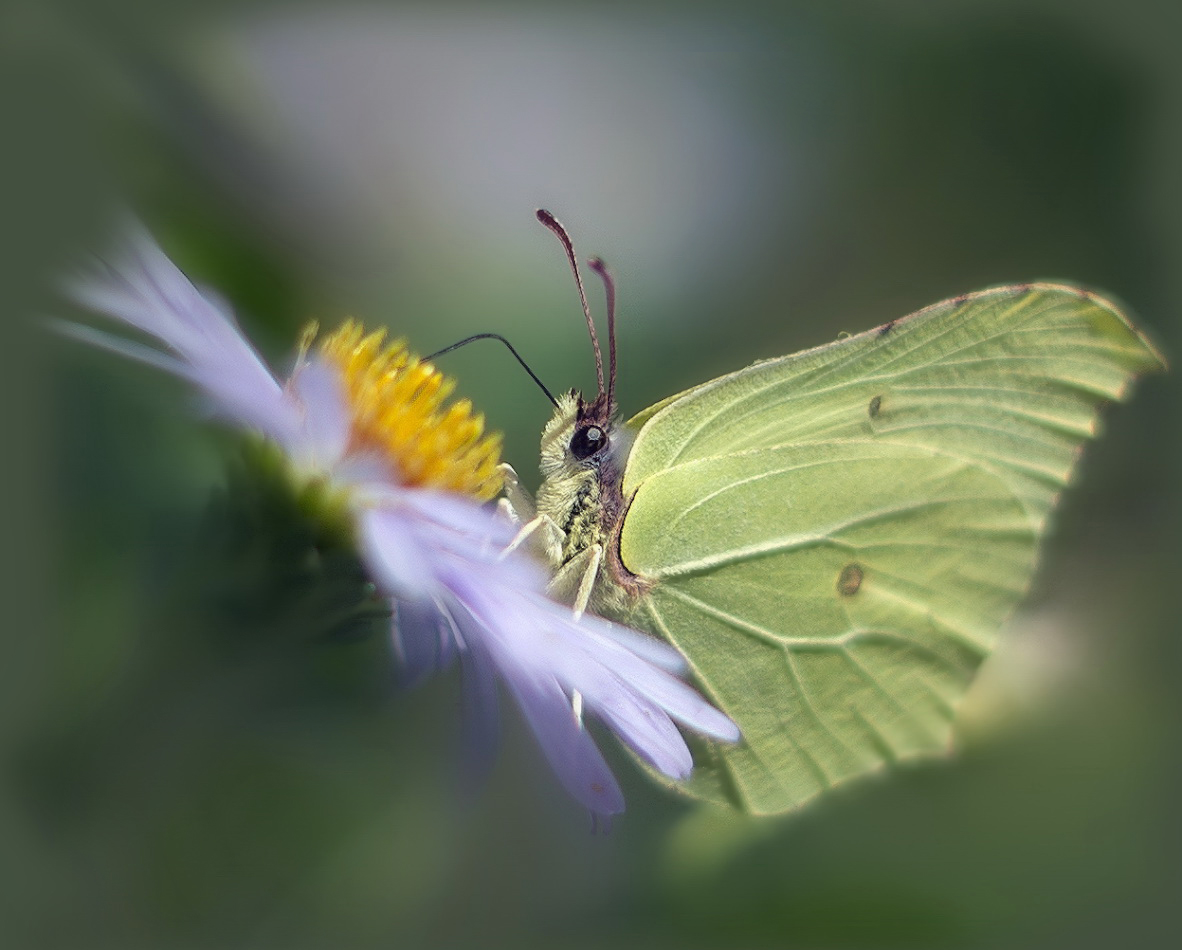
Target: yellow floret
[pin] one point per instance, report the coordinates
(397, 403)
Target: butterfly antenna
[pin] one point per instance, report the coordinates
(560, 232)
(496, 336)
(609, 288)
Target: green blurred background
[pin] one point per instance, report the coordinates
(189, 762)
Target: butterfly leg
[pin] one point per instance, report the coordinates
(544, 537)
(515, 502)
(590, 575)
(575, 581)
(516, 505)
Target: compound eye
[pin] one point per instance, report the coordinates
(587, 441)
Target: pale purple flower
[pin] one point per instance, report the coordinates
(438, 554)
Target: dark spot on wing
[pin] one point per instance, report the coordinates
(958, 301)
(875, 406)
(850, 580)
(1022, 288)
(886, 328)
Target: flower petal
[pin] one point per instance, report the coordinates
(646, 647)
(465, 518)
(123, 347)
(145, 290)
(422, 640)
(402, 566)
(324, 436)
(681, 701)
(543, 653)
(571, 751)
(481, 722)
(646, 728)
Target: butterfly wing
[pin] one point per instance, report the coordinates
(836, 536)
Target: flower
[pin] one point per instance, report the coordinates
(372, 423)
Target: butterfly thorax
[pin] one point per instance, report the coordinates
(582, 463)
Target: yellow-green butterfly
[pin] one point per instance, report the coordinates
(833, 538)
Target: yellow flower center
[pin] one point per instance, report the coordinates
(398, 410)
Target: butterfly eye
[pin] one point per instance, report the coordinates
(587, 441)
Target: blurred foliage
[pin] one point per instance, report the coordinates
(191, 760)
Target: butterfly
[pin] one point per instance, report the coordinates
(833, 538)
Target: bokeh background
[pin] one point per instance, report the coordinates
(190, 761)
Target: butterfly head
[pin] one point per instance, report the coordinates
(580, 438)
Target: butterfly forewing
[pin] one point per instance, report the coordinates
(1011, 377)
(837, 536)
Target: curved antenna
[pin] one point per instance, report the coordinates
(560, 232)
(609, 288)
(509, 346)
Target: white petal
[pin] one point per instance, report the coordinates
(324, 436)
(402, 565)
(653, 650)
(568, 746)
(481, 714)
(145, 290)
(464, 516)
(122, 347)
(541, 651)
(422, 640)
(678, 699)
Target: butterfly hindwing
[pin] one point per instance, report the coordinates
(836, 537)
(838, 629)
